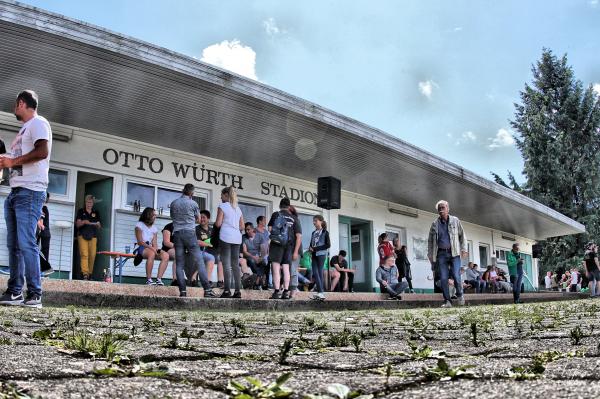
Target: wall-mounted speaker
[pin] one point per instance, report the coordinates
(329, 193)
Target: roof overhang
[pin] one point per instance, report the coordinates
(91, 78)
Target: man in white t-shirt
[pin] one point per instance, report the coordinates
(29, 162)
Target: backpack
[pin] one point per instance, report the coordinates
(280, 231)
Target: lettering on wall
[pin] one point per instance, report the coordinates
(293, 194)
(202, 174)
(185, 171)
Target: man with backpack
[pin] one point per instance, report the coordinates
(286, 238)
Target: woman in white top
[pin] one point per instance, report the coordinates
(231, 222)
(145, 236)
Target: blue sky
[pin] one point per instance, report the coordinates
(442, 75)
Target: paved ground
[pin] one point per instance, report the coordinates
(539, 350)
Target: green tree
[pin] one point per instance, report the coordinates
(558, 126)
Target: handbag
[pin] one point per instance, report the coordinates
(214, 237)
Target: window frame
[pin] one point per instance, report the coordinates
(206, 194)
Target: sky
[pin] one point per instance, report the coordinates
(442, 75)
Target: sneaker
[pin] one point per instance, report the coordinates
(237, 294)
(33, 301)
(150, 282)
(226, 294)
(212, 284)
(209, 294)
(182, 294)
(220, 284)
(11, 299)
(46, 273)
(412, 291)
(286, 294)
(5, 270)
(461, 301)
(318, 297)
(453, 297)
(447, 304)
(276, 295)
(159, 282)
(518, 301)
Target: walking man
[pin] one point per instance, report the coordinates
(185, 214)
(514, 260)
(29, 162)
(447, 243)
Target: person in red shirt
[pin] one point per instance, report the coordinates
(385, 248)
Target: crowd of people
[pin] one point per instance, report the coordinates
(585, 278)
(266, 255)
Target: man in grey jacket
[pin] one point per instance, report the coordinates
(447, 243)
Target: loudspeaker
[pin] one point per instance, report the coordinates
(329, 193)
(536, 251)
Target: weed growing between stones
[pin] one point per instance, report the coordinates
(104, 346)
(5, 341)
(239, 328)
(11, 391)
(576, 335)
(137, 370)
(443, 372)
(285, 350)
(252, 388)
(424, 352)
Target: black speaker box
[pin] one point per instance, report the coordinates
(536, 251)
(329, 193)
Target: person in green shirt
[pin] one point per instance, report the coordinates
(515, 269)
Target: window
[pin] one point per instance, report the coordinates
(57, 181)
(306, 221)
(157, 197)
(501, 255)
(252, 211)
(139, 192)
(469, 258)
(484, 250)
(164, 198)
(201, 201)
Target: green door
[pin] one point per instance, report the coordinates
(528, 271)
(102, 192)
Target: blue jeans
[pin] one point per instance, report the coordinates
(186, 239)
(230, 256)
(396, 289)
(449, 266)
(517, 281)
(317, 267)
(22, 210)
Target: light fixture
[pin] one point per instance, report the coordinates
(509, 238)
(413, 213)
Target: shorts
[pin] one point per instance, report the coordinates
(594, 275)
(279, 254)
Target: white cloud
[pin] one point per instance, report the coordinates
(596, 88)
(426, 88)
(593, 3)
(466, 137)
(503, 139)
(233, 56)
(458, 29)
(271, 27)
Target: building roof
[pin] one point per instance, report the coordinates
(92, 78)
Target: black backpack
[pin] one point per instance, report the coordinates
(280, 230)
